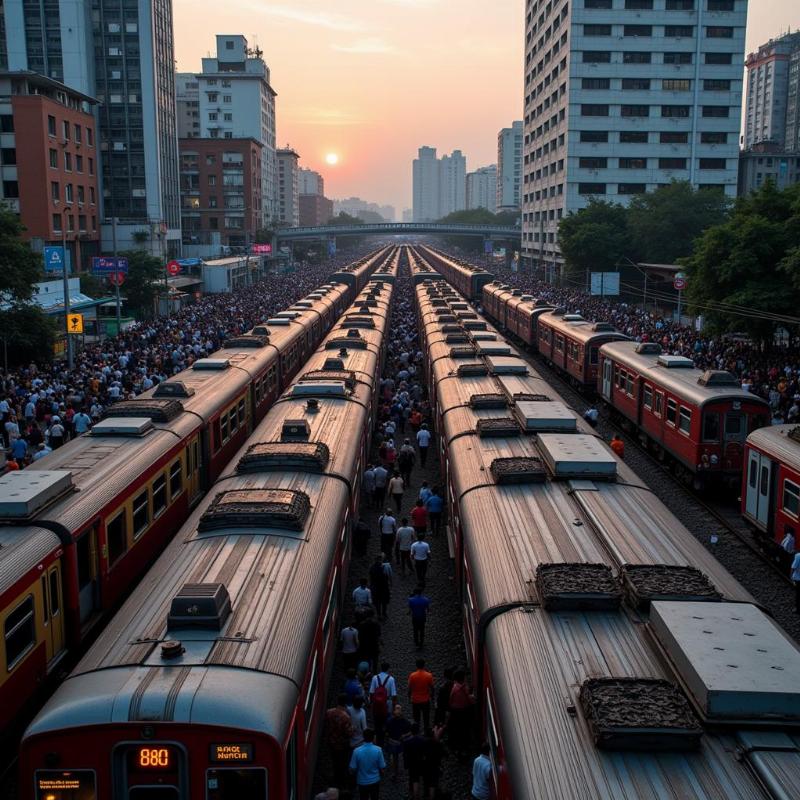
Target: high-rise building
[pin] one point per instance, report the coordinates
(768, 91)
(187, 101)
(452, 183)
(408, 215)
(482, 188)
(237, 101)
(509, 167)
(135, 79)
(792, 139)
(315, 210)
(439, 184)
(621, 98)
(288, 194)
(310, 182)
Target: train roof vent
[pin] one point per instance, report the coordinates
(303, 304)
(445, 318)
(462, 315)
(277, 322)
(648, 349)
(295, 430)
(281, 456)
(247, 340)
(462, 352)
(718, 377)
(541, 304)
(472, 370)
(288, 314)
(200, 605)
(257, 508)
(498, 427)
(573, 318)
(474, 325)
(365, 308)
(794, 433)
(318, 295)
(507, 365)
(517, 470)
(260, 330)
(639, 714)
(542, 416)
(483, 336)
(24, 493)
(675, 362)
(438, 303)
(123, 426)
(346, 376)
(559, 311)
(516, 293)
(216, 364)
(576, 455)
(342, 342)
(527, 396)
(457, 338)
(494, 349)
(735, 662)
(358, 322)
(566, 587)
(333, 364)
(156, 410)
(318, 388)
(647, 582)
(173, 389)
(602, 327)
(459, 306)
(488, 400)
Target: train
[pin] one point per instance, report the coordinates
(209, 682)
(611, 655)
(79, 527)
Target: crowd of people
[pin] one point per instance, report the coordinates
(368, 731)
(43, 405)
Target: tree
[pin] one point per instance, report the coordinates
(264, 236)
(475, 216)
(26, 334)
(751, 261)
(344, 220)
(664, 224)
(20, 267)
(144, 281)
(595, 238)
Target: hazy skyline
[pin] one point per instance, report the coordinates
(373, 80)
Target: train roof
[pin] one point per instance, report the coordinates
(682, 379)
(22, 548)
(781, 442)
(583, 330)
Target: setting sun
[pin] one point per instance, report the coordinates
(332, 159)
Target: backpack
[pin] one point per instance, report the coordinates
(379, 699)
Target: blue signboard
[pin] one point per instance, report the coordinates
(54, 259)
(105, 265)
(189, 262)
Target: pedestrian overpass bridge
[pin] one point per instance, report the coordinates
(503, 233)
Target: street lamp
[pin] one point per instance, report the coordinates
(67, 210)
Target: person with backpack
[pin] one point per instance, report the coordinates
(405, 461)
(382, 696)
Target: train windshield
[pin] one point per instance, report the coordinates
(234, 784)
(79, 784)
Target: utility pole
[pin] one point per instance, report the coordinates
(68, 341)
(116, 281)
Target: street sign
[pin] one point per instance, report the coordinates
(261, 248)
(116, 278)
(679, 284)
(54, 259)
(75, 323)
(105, 265)
(174, 268)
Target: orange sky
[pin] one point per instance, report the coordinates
(372, 80)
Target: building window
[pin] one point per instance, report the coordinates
(81, 195)
(596, 83)
(54, 159)
(68, 162)
(591, 188)
(676, 85)
(68, 193)
(79, 163)
(633, 137)
(10, 189)
(226, 98)
(677, 58)
(82, 223)
(638, 30)
(716, 111)
(227, 116)
(91, 166)
(51, 126)
(639, 5)
(89, 137)
(719, 32)
(714, 85)
(632, 163)
(212, 97)
(674, 137)
(55, 190)
(672, 163)
(594, 136)
(91, 195)
(56, 222)
(632, 188)
(720, 5)
(714, 137)
(593, 163)
(78, 136)
(597, 30)
(712, 163)
(719, 58)
(65, 129)
(596, 57)
(680, 5)
(635, 111)
(675, 111)
(597, 3)
(212, 180)
(594, 110)
(678, 31)
(636, 84)
(636, 57)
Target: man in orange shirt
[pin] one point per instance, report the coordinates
(420, 690)
(618, 446)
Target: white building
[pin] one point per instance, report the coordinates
(482, 188)
(439, 184)
(623, 97)
(187, 101)
(288, 186)
(310, 182)
(509, 167)
(408, 215)
(237, 101)
(452, 183)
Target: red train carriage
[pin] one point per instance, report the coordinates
(468, 278)
(514, 311)
(771, 482)
(698, 419)
(572, 344)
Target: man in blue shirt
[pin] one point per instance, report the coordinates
(418, 606)
(482, 775)
(435, 506)
(367, 764)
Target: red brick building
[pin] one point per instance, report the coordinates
(315, 209)
(49, 163)
(221, 192)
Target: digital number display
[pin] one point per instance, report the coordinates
(153, 758)
(236, 753)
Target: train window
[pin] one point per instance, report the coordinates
(594, 355)
(223, 428)
(311, 696)
(629, 384)
(55, 594)
(175, 480)
(791, 498)
(659, 403)
(711, 426)
(331, 610)
(19, 631)
(159, 495)
(141, 514)
(44, 599)
(685, 422)
(217, 435)
(234, 784)
(764, 480)
(733, 424)
(753, 473)
(672, 411)
(647, 393)
(242, 412)
(559, 343)
(117, 537)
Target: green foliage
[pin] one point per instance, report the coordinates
(94, 286)
(476, 216)
(752, 260)
(596, 237)
(26, 334)
(664, 224)
(20, 267)
(145, 280)
(344, 220)
(264, 236)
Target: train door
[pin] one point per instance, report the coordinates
(759, 481)
(194, 468)
(53, 616)
(88, 573)
(734, 436)
(608, 377)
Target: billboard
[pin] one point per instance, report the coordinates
(605, 284)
